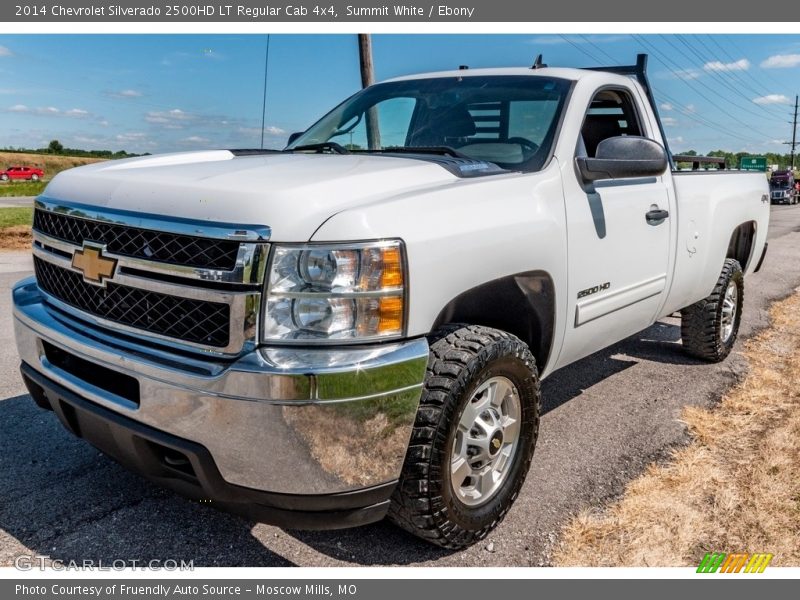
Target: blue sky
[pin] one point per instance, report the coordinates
(160, 93)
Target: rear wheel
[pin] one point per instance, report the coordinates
(34, 177)
(473, 438)
(709, 328)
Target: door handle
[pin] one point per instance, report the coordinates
(656, 216)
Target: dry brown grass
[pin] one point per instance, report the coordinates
(735, 488)
(17, 237)
(51, 163)
(345, 446)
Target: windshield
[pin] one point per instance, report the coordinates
(507, 120)
(780, 183)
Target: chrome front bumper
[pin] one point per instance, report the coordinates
(286, 421)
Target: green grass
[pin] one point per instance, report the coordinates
(21, 188)
(10, 217)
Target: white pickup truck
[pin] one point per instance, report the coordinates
(357, 325)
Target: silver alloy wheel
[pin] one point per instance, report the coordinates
(729, 306)
(486, 441)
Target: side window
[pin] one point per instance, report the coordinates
(611, 113)
(394, 120)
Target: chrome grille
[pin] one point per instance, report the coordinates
(141, 243)
(196, 321)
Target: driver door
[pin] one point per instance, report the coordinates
(618, 259)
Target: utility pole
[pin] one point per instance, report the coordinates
(794, 143)
(367, 79)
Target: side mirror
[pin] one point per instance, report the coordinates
(624, 157)
(293, 137)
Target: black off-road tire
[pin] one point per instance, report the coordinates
(701, 322)
(462, 357)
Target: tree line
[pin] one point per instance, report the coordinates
(732, 159)
(57, 148)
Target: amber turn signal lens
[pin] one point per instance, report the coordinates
(391, 315)
(392, 275)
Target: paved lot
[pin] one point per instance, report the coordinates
(605, 418)
(16, 201)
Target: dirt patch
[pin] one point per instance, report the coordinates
(734, 488)
(16, 237)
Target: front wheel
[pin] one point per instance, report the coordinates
(473, 438)
(709, 327)
(3, 177)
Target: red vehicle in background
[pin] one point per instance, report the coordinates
(31, 173)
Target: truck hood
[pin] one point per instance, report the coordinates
(293, 194)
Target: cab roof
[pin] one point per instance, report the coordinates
(570, 74)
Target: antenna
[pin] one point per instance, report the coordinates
(264, 98)
(538, 64)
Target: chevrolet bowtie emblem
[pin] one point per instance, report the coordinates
(95, 267)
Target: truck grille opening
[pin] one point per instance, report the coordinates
(140, 243)
(195, 321)
(109, 380)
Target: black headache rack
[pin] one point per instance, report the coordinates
(701, 162)
(639, 71)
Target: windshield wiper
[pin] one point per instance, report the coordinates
(443, 150)
(322, 146)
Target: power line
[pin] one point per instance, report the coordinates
(686, 111)
(740, 76)
(658, 56)
(767, 75)
(721, 79)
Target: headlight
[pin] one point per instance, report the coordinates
(336, 292)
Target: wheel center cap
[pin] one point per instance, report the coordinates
(496, 442)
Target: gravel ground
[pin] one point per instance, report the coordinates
(605, 418)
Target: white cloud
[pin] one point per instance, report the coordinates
(687, 74)
(4, 51)
(740, 65)
(49, 111)
(690, 108)
(272, 130)
(195, 140)
(675, 140)
(256, 131)
(170, 119)
(83, 139)
(126, 94)
(669, 121)
(666, 106)
(781, 61)
(126, 138)
(772, 99)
